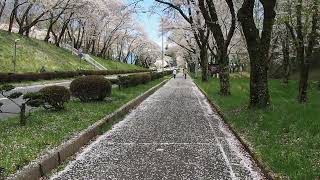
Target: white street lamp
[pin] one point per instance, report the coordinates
(15, 54)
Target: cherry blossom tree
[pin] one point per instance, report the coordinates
(258, 45)
(303, 26)
(3, 4)
(190, 12)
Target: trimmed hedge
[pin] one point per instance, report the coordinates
(19, 77)
(166, 73)
(55, 97)
(134, 80)
(156, 75)
(91, 88)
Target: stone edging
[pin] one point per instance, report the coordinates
(217, 109)
(45, 164)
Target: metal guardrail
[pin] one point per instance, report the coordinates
(87, 57)
(90, 60)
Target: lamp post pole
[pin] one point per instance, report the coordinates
(15, 54)
(162, 45)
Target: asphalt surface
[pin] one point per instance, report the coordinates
(12, 107)
(174, 134)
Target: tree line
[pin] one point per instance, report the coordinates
(265, 32)
(103, 28)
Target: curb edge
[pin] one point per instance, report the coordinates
(55, 157)
(253, 155)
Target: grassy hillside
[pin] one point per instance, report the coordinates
(286, 136)
(116, 65)
(32, 54)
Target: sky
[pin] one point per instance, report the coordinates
(151, 22)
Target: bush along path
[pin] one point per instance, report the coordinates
(9, 106)
(60, 120)
(174, 134)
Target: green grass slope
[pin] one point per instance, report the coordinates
(116, 65)
(32, 54)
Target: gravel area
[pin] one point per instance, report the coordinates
(174, 134)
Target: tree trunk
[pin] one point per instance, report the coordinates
(11, 22)
(27, 32)
(24, 21)
(46, 39)
(104, 48)
(304, 67)
(23, 120)
(224, 74)
(82, 37)
(303, 84)
(13, 15)
(258, 49)
(259, 91)
(2, 8)
(93, 50)
(63, 31)
(286, 60)
(76, 43)
(209, 12)
(299, 38)
(204, 63)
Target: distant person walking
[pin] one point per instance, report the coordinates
(185, 73)
(80, 53)
(174, 73)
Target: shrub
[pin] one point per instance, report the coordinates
(19, 77)
(55, 97)
(91, 88)
(156, 75)
(134, 80)
(166, 73)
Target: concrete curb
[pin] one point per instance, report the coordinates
(217, 109)
(45, 164)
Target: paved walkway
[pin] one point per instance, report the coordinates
(174, 134)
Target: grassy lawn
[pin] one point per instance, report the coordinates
(109, 64)
(46, 129)
(32, 54)
(285, 136)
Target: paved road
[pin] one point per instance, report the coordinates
(11, 107)
(174, 134)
